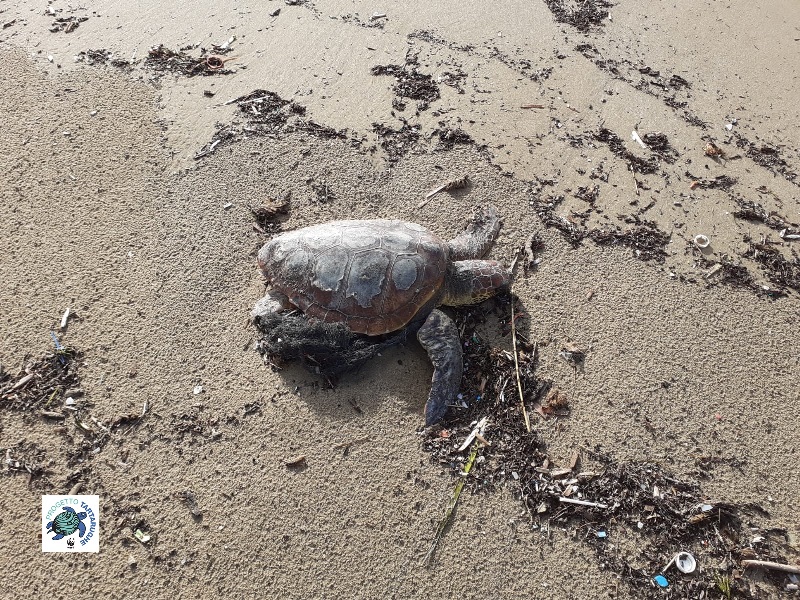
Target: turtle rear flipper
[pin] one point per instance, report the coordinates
(478, 237)
(439, 336)
(59, 536)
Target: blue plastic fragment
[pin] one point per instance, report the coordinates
(661, 581)
(601, 534)
(55, 340)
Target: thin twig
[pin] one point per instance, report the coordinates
(582, 502)
(765, 564)
(516, 363)
(513, 268)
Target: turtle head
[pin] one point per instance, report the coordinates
(473, 281)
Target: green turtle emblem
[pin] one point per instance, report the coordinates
(66, 523)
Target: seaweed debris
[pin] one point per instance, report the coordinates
(617, 146)
(163, 60)
(603, 503)
(720, 182)
(779, 270)
(266, 113)
(750, 210)
(397, 142)
(66, 24)
(646, 240)
(42, 384)
(410, 83)
(583, 15)
(573, 232)
(269, 217)
(659, 143)
(102, 57)
(766, 156)
(48, 388)
(449, 137)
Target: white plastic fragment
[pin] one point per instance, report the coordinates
(479, 429)
(635, 137)
(582, 502)
(198, 389)
(64, 319)
(141, 536)
(701, 241)
(685, 562)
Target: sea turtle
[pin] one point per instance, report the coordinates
(67, 522)
(380, 276)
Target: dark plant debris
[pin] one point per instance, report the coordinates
(726, 272)
(647, 80)
(270, 216)
(67, 24)
(588, 193)
(42, 384)
(266, 113)
(750, 210)
(720, 182)
(533, 246)
(323, 194)
(659, 143)
(646, 240)
(583, 16)
(397, 142)
(523, 66)
(102, 57)
(573, 231)
(162, 59)
(354, 19)
(410, 83)
(48, 389)
(450, 137)
(767, 156)
(455, 79)
(636, 502)
(779, 270)
(617, 147)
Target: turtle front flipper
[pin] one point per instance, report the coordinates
(478, 237)
(81, 528)
(439, 336)
(273, 302)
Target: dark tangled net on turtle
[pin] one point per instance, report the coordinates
(329, 349)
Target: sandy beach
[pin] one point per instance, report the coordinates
(618, 133)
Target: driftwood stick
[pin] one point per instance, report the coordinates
(765, 564)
